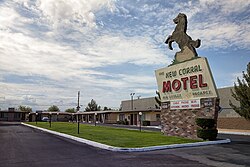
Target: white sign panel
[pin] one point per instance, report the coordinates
(185, 81)
(185, 104)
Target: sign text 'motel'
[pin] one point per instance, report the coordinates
(184, 81)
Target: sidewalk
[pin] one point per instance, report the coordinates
(234, 131)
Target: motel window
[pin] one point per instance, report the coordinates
(5, 115)
(121, 117)
(17, 115)
(158, 117)
(1, 115)
(143, 117)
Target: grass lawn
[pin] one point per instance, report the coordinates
(114, 136)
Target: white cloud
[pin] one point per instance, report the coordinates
(10, 18)
(120, 49)
(7, 16)
(39, 96)
(33, 56)
(73, 11)
(140, 80)
(107, 92)
(227, 7)
(222, 34)
(56, 45)
(212, 22)
(55, 61)
(144, 91)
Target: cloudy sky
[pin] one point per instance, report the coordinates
(50, 49)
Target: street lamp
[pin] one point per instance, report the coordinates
(78, 126)
(140, 116)
(50, 119)
(95, 118)
(132, 95)
(36, 117)
(77, 109)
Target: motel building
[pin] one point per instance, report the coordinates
(227, 118)
(130, 114)
(150, 113)
(147, 107)
(13, 115)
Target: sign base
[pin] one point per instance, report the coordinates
(181, 122)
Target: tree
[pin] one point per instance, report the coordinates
(241, 93)
(70, 110)
(93, 106)
(53, 108)
(25, 108)
(106, 108)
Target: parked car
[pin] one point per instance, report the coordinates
(45, 119)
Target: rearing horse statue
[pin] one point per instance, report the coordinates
(181, 38)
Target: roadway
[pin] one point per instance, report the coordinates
(23, 146)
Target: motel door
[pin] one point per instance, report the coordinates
(133, 119)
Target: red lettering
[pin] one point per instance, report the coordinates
(166, 87)
(193, 82)
(176, 85)
(201, 84)
(184, 81)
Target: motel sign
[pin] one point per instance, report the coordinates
(190, 80)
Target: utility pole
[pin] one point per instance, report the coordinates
(132, 95)
(77, 112)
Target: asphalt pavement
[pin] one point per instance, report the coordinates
(23, 146)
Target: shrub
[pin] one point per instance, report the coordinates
(126, 121)
(205, 123)
(207, 128)
(210, 134)
(122, 122)
(146, 123)
(119, 122)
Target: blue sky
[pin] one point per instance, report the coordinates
(107, 49)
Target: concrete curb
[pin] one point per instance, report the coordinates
(234, 133)
(118, 149)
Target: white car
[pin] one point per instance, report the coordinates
(45, 119)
